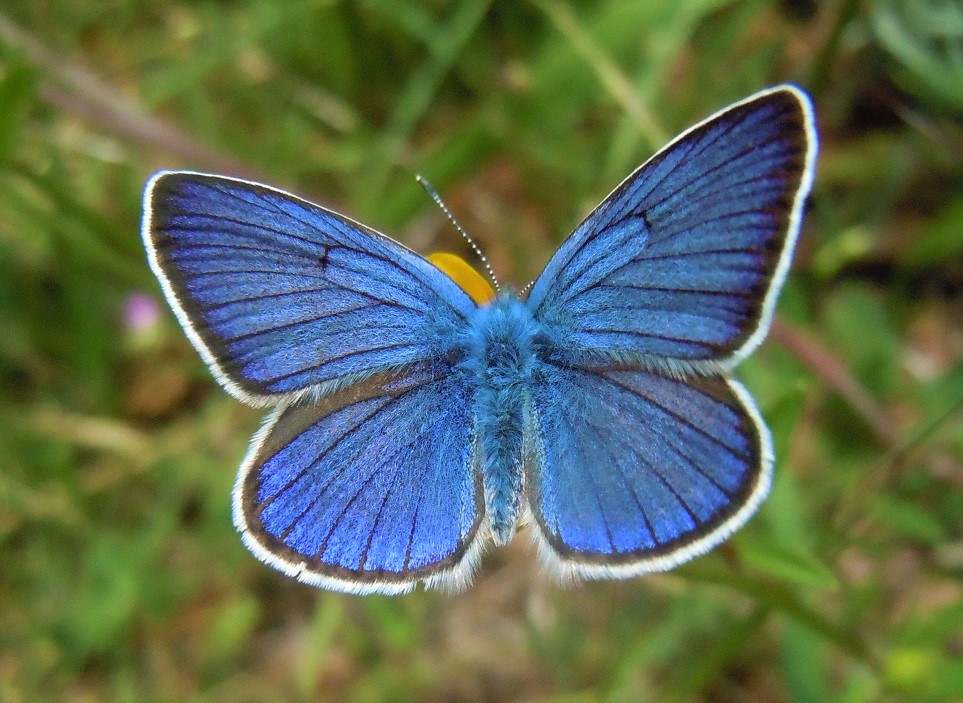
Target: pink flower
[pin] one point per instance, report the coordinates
(141, 312)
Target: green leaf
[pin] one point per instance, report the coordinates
(859, 326)
(947, 681)
(933, 628)
(908, 520)
(925, 38)
(712, 661)
(322, 627)
(18, 92)
(394, 621)
(941, 238)
(861, 686)
(847, 247)
(802, 664)
(232, 626)
(907, 669)
(789, 563)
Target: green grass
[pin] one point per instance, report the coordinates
(121, 577)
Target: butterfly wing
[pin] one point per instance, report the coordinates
(279, 295)
(372, 489)
(680, 266)
(633, 471)
(642, 453)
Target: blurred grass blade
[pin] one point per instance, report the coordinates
(926, 38)
(783, 600)
(803, 666)
(448, 41)
(941, 238)
(319, 638)
(707, 665)
(788, 563)
(79, 93)
(612, 77)
(18, 93)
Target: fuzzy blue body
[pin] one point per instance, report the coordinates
(497, 359)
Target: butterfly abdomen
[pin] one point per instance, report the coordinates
(499, 358)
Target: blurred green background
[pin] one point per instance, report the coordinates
(121, 577)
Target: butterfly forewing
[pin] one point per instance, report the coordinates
(280, 295)
(371, 490)
(679, 267)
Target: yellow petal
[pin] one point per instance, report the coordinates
(464, 275)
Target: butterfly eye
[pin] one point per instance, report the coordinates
(464, 275)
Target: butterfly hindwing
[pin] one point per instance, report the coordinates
(279, 295)
(680, 265)
(371, 490)
(633, 471)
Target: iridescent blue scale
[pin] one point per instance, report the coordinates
(413, 426)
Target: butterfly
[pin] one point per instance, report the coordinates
(412, 426)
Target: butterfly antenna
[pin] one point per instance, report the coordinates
(433, 194)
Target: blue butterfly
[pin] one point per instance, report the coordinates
(412, 425)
